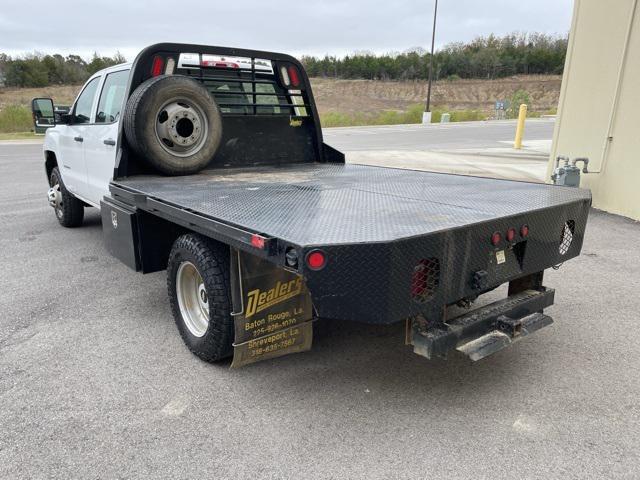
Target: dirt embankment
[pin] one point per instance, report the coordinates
(365, 96)
(369, 96)
(61, 94)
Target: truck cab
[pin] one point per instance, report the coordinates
(82, 144)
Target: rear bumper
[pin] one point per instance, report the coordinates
(487, 329)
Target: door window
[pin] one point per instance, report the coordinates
(112, 97)
(84, 103)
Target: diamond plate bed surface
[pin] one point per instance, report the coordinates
(345, 203)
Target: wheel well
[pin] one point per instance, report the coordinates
(156, 237)
(50, 162)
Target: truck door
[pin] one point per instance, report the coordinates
(74, 173)
(100, 143)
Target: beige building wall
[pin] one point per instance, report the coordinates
(599, 109)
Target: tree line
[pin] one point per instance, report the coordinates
(485, 57)
(37, 70)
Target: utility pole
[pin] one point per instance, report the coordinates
(427, 118)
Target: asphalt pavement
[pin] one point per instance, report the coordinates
(470, 148)
(439, 136)
(96, 383)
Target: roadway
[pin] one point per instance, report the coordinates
(448, 136)
(470, 148)
(95, 381)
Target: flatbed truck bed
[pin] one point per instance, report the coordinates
(334, 204)
(376, 225)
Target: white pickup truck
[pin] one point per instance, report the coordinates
(80, 155)
(209, 162)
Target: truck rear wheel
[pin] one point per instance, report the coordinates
(199, 292)
(69, 210)
(173, 122)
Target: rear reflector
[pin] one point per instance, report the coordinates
(157, 66)
(316, 260)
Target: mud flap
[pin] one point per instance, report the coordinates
(272, 310)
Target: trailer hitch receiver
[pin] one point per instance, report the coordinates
(487, 329)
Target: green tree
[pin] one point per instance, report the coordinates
(518, 98)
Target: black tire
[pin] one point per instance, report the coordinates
(211, 260)
(155, 134)
(71, 210)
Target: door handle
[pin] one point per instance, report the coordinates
(109, 141)
(78, 139)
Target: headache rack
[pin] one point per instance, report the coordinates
(239, 101)
(269, 116)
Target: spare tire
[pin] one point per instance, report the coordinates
(173, 122)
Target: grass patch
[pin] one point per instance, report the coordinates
(394, 117)
(15, 118)
(387, 117)
(458, 115)
(20, 136)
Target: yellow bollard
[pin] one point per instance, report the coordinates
(517, 143)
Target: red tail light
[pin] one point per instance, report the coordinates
(316, 260)
(157, 66)
(425, 279)
(511, 234)
(294, 76)
(257, 241)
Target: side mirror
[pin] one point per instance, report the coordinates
(43, 114)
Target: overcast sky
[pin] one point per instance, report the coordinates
(295, 26)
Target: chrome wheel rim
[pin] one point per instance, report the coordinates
(55, 199)
(181, 127)
(193, 299)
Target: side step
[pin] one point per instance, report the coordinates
(487, 329)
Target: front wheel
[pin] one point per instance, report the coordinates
(69, 210)
(199, 293)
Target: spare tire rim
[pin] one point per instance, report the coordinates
(193, 299)
(181, 127)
